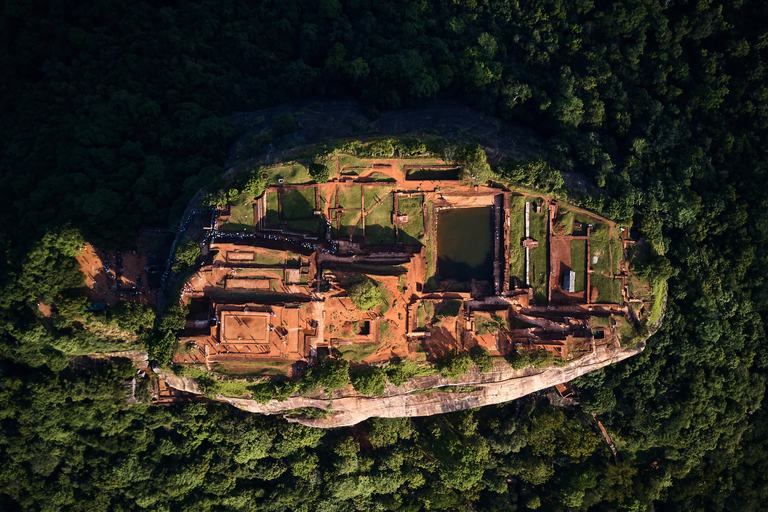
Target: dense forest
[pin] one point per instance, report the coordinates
(115, 114)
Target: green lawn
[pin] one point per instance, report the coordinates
(349, 161)
(378, 223)
(538, 224)
(350, 196)
(289, 173)
(659, 294)
(245, 369)
(608, 290)
(350, 222)
(430, 281)
(563, 224)
(375, 193)
(298, 203)
(539, 272)
(539, 255)
(432, 174)
(308, 225)
(273, 212)
(598, 247)
(379, 176)
(579, 263)
(584, 221)
(421, 321)
(450, 309)
(516, 234)
(241, 218)
(617, 250)
(412, 233)
(357, 352)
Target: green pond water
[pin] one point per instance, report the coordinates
(464, 244)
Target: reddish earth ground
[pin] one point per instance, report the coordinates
(340, 311)
(560, 254)
(102, 284)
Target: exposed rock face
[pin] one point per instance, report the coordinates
(501, 385)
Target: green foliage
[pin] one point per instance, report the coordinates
(369, 381)
(539, 358)
(481, 358)
(265, 391)
(454, 364)
(284, 124)
(492, 325)
(533, 172)
(187, 253)
(320, 172)
(221, 197)
(161, 343)
(161, 346)
(366, 294)
(172, 319)
(329, 374)
(308, 412)
(399, 372)
(474, 165)
(449, 309)
(132, 316)
(660, 105)
(48, 269)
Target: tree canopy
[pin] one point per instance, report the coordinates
(115, 115)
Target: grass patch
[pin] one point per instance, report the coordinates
(539, 255)
(212, 385)
(563, 224)
(608, 290)
(378, 223)
(350, 223)
(489, 325)
(579, 263)
(383, 329)
(241, 218)
(430, 281)
(356, 352)
(373, 195)
(659, 294)
(450, 309)
(617, 251)
(248, 369)
(516, 234)
(308, 225)
(598, 247)
(289, 173)
(350, 161)
(379, 176)
(350, 196)
(539, 272)
(412, 233)
(298, 203)
(266, 257)
(628, 332)
(308, 413)
(432, 174)
(273, 209)
(584, 221)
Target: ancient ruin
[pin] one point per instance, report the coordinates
(453, 266)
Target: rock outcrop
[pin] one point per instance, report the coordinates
(504, 384)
